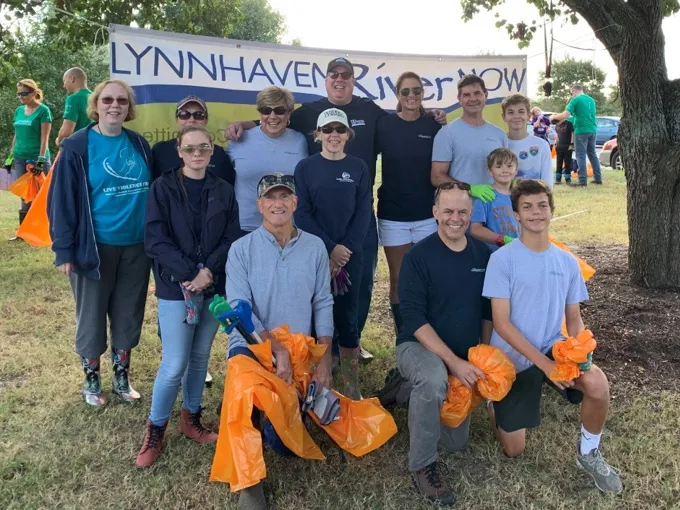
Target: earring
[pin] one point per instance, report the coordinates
(288, 123)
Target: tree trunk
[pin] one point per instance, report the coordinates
(649, 137)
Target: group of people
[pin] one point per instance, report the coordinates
(283, 219)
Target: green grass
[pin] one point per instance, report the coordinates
(57, 453)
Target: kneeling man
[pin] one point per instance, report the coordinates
(533, 285)
(284, 274)
(444, 314)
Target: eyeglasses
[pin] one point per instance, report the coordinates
(185, 115)
(416, 91)
(266, 110)
(203, 148)
(24, 94)
(122, 101)
(341, 130)
(333, 75)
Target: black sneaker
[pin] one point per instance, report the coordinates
(578, 184)
(365, 357)
(429, 483)
(595, 182)
(388, 393)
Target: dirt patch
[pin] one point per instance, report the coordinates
(636, 328)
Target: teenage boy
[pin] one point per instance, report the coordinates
(533, 285)
(533, 152)
(493, 222)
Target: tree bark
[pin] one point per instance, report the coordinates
(649, 136)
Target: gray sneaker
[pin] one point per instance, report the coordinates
(606, 478)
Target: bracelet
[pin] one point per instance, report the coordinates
(500, 241)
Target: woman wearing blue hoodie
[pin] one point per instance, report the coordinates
(96, 208)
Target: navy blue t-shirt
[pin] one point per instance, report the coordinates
(334, 200)
(164, 157)
(194, 189)
(363, 115)
(443, 288)
(406, 193)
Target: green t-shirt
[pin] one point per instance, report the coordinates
(582, 108)
(27, 131)
(75, 108)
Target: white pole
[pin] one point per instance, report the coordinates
(570, 214)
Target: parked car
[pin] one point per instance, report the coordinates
(607, 129)
(610, 155)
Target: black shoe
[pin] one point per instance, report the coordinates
(578, 184)
(388, 393)
(595, 182)
(429, 483)
(365, 357)
(557, 183)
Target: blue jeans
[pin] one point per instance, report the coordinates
(185, 352)
(585, 145)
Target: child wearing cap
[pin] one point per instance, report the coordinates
(334, 203)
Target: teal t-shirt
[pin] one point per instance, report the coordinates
(583, 109)
(75, 108)
(118, 180)
(27, 129)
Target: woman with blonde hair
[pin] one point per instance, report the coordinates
(96, 208)
(30, 144)
(269, 147)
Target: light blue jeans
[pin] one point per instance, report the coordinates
(185, 353)
(585, 146)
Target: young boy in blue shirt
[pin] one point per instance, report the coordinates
(493, 222)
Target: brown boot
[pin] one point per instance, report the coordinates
(428, 481)
(152, 446)
(252, 498)
(349, 368)
(190, 425)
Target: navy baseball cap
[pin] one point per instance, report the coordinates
(340, 61)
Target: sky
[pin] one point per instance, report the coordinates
(436, 27)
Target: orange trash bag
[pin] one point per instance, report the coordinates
(362, 426)
(460, 402)
(27, 186)
(572, 356)
(499, 370)
(35, 229)
(238, 457)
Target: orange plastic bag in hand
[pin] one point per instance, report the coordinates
(498, 369)
(27, 186)
(362, 426)
(238, 456)
(575, 350)
(460, 402)
(565, 372)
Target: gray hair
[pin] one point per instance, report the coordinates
(577, 86)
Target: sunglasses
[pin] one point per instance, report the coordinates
(266, 110)
(341, 130)
(122, 101)
(333, 75)
(203, 148)
(416, 91)
(446, 186)
(185, 115)
(24, 94)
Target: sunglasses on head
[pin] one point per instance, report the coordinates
(203, 148)
(279, 110)
(416, 91)
(185, 115)
(346, 75)
(341, 130)
(449, 186)
(24, 94)
(282, 180)
(122, 101)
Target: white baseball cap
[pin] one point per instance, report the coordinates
(332, 115)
